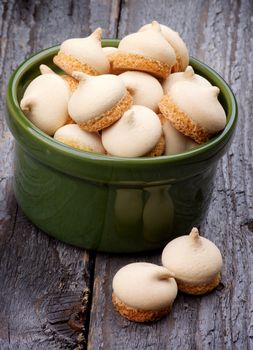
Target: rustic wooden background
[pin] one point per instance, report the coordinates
(53, 296)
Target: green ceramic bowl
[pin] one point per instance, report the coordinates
(107, 203)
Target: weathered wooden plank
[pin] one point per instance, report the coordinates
(42, 280)
(23, 322)
(219, 33)
(42, 283)
(105, 14)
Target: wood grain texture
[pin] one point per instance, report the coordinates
(41, 280)
(219, 33)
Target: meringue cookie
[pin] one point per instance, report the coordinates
(75, 137)
(110, 54)
(175, 141)
(174, 39)
(83, 54)
(134, 135)
(187, 75)
(98, 101)
(110, 51)
(143, 292)
(147, 51)
(44, 69)
(194, 110)
(145, 89)
(45, 101)
(72, 83)
(195, 261)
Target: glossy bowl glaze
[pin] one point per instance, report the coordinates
(108, 203)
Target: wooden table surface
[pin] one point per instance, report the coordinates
(53, 296)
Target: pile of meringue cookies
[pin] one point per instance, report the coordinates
(140, 99)
(144, 292)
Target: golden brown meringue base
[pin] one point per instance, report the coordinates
(110, 58)
(70, 121)
(108, 118)
(122, 62)
(159, 148)
(194, 289)
(178, 66)
(138, 315)
(69, 64)
(75, 144)
(72, 82)
(181, 121)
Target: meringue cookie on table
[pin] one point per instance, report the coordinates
(45, 101)
(174, 39)
(195, 261)
(145, 89)
(143, 292)
(83, 54)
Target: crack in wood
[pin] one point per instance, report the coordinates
(79, 321)
(247, 223)
(71, 8)
(250, 225)
(118, 17)
(87, 301)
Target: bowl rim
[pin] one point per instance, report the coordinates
(48, 141)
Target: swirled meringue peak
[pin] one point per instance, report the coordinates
(187, 75)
